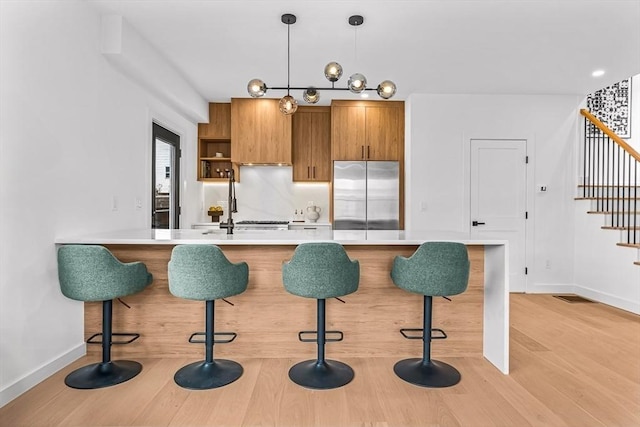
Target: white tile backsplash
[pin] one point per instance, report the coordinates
(267, 193)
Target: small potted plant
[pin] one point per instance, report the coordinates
(215, 212)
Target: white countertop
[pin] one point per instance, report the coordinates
(272, 237)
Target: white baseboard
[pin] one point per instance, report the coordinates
(592, 294)
(612, 300)
(10, 392)
(550, 288)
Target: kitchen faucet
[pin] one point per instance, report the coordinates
(231, 202)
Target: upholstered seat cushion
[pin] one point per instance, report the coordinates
(435, 269)
(320, 270)
(92, 273)
(203, 273)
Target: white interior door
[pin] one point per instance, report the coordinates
(498, 199)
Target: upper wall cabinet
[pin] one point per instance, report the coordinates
(312, 144)
(219, 126)
(347, 131)
(367, 130)
(261, 134)
(214, 144)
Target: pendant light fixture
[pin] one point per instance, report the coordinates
(288, 104)
(357, 83)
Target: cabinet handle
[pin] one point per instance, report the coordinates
(368, 156)
(314, 172)
(362, 151)
(308, 174)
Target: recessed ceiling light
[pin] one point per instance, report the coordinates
(598, 73)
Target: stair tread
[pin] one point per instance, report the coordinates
(624, 227)
(630, 245)
(606, 198)
(614, 212)
(607, 186)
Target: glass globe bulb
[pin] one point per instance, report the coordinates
(256, 88)
(333, 71)
(386, 89)
(311, 95)
(357, 83)
(288, 105)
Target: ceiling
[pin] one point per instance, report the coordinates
(439, 46)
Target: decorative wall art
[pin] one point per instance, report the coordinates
(612, 106)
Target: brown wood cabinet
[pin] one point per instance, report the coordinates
(214, 145)
(261, 134)
(312, 144)
(219, 126)
(347, 132)
(367, 130)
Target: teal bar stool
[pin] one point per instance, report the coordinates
(321, 271)
(92, 273)
(435, 269)
(203, 273)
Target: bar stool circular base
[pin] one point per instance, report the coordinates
(99, 375)
(202, 375)
(431, 374)
(321, 375)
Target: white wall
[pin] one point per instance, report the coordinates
(604, 271)
(442, 126)
(75, 134)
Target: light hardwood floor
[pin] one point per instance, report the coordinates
(571, 365)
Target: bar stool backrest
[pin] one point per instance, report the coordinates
(434, 269)
(203, 273)
(321, 270)
(92, 273)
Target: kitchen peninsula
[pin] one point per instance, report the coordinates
(267, 319)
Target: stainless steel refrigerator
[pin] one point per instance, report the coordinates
(366, 195)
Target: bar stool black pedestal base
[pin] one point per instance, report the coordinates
(105, 374)
(321, 375)
(204, 375)
(427, 374)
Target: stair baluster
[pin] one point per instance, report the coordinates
(610, 178)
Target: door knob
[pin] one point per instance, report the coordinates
(476, 223)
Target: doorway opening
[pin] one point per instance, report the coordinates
(165, 179)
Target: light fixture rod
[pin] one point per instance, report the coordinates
(315, 88)
(288, 55)
(288, 18)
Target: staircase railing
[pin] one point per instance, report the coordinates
(610, 176)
